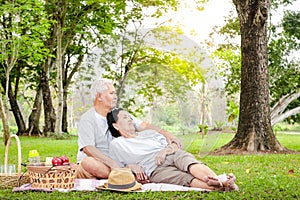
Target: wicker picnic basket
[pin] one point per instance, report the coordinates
(52, 177)
(16, 179)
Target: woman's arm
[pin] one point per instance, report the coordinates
(161, 155)
(139, 173)
(120, 152)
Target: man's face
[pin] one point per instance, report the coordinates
(109, 97)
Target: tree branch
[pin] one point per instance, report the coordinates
(283, 102)
(285, 115)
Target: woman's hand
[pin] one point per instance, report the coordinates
(139, 173)
(160, 157)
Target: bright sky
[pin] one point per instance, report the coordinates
(202, 22)
(193, 21)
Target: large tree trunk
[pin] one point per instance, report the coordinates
(15, 109)
(49, 112)
(254, 132)
(34, 118)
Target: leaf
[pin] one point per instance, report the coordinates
(291, 171)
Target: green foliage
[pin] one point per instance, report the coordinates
(179, 117)
(283, 63)
(163, 73)
(205, 128)
(145, 73)
(23, 26)
(218, 125)
(231, 28)
(276, 3)
(229, 67)
(232, 111)
(291, 24)
(166, 116)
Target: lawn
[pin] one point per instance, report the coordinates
(258, 176)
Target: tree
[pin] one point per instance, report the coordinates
(283, 65)
(21, 26)
(254, 132)
(75, 29)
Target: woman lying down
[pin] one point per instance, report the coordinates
(162, 163)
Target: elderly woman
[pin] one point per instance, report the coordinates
(162, 163)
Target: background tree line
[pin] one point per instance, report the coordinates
(43, 47)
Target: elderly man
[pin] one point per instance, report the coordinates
(94, 136)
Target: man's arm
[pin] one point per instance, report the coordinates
(170, 138)
(94, 152)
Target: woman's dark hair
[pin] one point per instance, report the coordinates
(112, 117)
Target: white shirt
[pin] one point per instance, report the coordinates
(140, 150)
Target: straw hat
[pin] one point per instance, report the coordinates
(121, 179)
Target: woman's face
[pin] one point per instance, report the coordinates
(125, 124)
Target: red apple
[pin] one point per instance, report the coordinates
(65, 160)
(66, 163)
(56, 161)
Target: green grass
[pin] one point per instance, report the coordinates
(258, 176)
(283, 127)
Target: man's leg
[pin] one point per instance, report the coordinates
(92, 168)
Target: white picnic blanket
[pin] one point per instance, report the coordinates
(91, 184)
(145, 187)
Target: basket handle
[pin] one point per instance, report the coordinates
(19, 152)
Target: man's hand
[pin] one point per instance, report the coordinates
(160, 157)
(176, 141)
(170, 138)
(139, 173)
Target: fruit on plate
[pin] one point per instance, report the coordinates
(56, 161)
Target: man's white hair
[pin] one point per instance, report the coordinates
(99, 86)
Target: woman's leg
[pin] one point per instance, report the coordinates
(202, 173)
(201, 184)
(205, 175)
